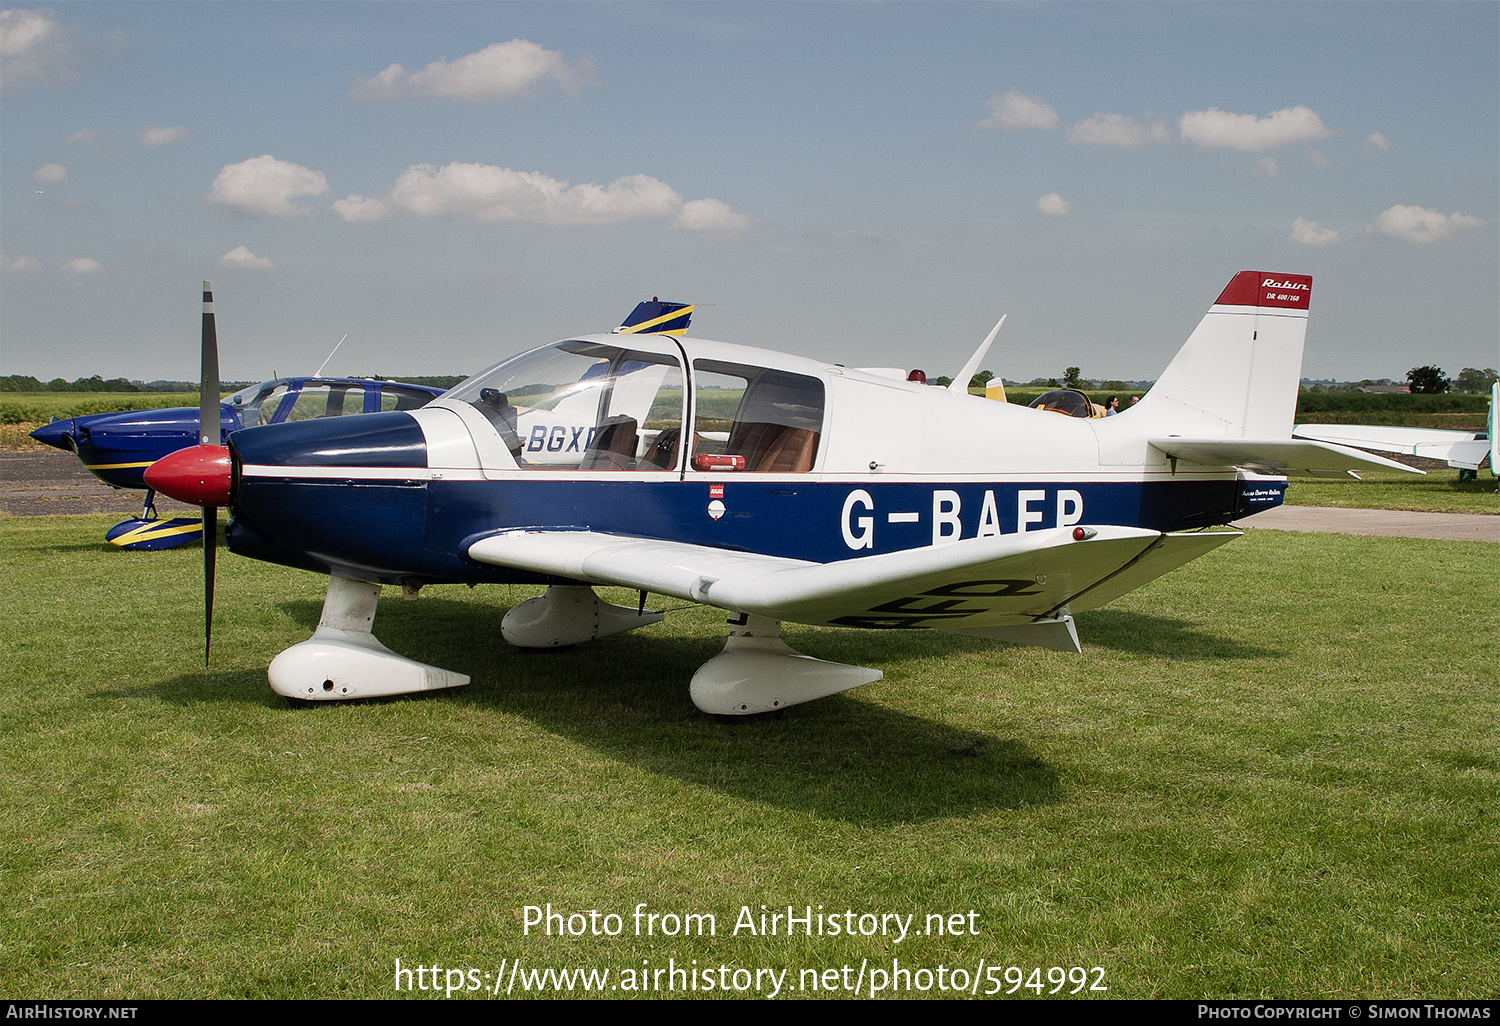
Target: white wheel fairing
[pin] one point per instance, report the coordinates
(343, 659)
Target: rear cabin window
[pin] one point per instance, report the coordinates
(755, 420)
(394, 397)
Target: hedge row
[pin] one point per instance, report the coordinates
(1393, 402)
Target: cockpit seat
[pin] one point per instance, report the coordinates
(613, 447)
(774, 448)
(663, 452)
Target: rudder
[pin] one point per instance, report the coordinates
(1238, 373)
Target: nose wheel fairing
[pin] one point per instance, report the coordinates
(342, 659)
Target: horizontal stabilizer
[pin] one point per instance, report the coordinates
(977, 582)
(1275, 455)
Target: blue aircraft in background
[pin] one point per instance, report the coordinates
(118, 447)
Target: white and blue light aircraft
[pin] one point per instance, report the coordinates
(772, 486)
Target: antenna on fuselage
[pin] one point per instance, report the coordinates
(960, 384)
(319, 372)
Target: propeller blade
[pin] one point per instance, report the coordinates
(210, 555)
(209, 433)
(208, 405)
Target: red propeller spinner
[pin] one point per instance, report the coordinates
(199, 475)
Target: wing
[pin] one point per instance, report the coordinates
(1465, 449)
(1275, 455)
(1005, 580)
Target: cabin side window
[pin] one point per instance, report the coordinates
(394, 397)
(755, 420)
(315, 402)
(584, 406)
(261, 409)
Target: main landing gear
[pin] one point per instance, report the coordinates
(759, 673)
(756, 673)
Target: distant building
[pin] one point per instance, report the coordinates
(1385, 388)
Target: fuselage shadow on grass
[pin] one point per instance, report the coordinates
(627, 697)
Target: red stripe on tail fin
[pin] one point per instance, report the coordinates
(1258, 288)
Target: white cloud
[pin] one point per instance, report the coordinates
(82, 265)
(713, 217)
(498, 72)
(1117, 130)
(21, 32)
(360, 208)
(1214, 129)
(265, 186)
(153, 136)
(50, 173)
(1374, 143)
(19, 264)
(1265, 167)
(31, 46)
(1015, 110)
(488, 194)
(1417, 224)
(82, 135)
(241, 257)
(1311, 233)
(1053, 205)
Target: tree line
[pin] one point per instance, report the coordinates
(97, 383)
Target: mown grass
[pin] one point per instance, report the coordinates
(1273, 772)
(1440, 491)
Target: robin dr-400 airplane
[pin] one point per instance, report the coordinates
(772, 486)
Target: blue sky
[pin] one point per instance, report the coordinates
(872, 184)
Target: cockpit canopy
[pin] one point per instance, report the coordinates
(593, 405)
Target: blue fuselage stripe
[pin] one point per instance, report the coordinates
(411, 530)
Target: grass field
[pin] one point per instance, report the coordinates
(1439, 492)
(1272, 773)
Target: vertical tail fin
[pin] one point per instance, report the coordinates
(1238, 373)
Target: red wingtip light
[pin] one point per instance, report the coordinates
(1083, 533)
(198, 475)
